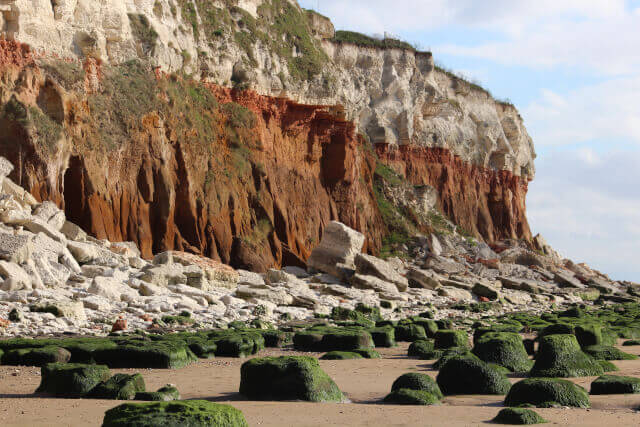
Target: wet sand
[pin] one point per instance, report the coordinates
(364, 382)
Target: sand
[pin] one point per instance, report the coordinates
(364, 382)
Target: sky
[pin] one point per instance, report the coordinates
(572, 67)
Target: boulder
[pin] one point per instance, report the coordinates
(485, 290)
(455, 293)
(214, 274)
(518, 416)
(36, 356)
(163, 394)
(423, 278)
(546, 392)
(447, 338)
(337, 249)
(23, 197)
(15, 278)
(466, 375)
(385, 289)
(287, 378)
(48, 212)
(372, 266)
(614, 384)
(68, 309)
(405, 396)
(71, 379)
(561, 356)
(6, 167)
(15, 248)
(341, 355)
(195, 413)
(119, 387)
(604, 352)
(566, 279)
(410, 332)
(504, 349)
(278, 296)
(443, 265)
(73, 232)
(417, 381)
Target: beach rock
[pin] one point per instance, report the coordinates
(423, 278)
(466, 375)
(71, 379)
(545, 392)
(372, 266)
(337, 249)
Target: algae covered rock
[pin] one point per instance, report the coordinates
(544, 392)
(561, 356)
(450, 353)
(368, 353)
(155, 355)
(71, 379)
(603, 352)
(119, 387)
(405, 396)
(384, 336)
(505, 349)
(163, 394)
(467, 375)
(423, 349)
(447, 338)
(518, 416)
(417, 381)
(287, 378)
(36, 356)
(341, 355)
(332, 339)
(192, 413)
(614, 384)
(410, 332)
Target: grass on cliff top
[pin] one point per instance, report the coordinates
(363, 40)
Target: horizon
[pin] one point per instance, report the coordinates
(576, 99)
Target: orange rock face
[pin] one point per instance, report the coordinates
(252, 197)
(482, 201)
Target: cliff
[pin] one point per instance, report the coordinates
(163, 160)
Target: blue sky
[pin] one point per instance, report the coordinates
(572, 67)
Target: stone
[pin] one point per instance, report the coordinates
(73, 232)
(565, 279)
(111, 289)
(23, 197)
(275, 295)
(71, 379)
(120, 325)
(434, 245)
(194, 413)
(49, 213)
(423, 278)
(216, 273)
(5, 167)
(287, 378)
(385, 289)
(455, 293)
(372, 266)
(164, 275)
(15, 248)
(339, 246)
(68, 309)
(300, 273)
(485, 290)
(15, 278)
(443, 265)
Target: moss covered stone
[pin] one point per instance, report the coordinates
(119, 387)
(163, 394)
(631, 342)
(614, 384)
(423, 349)
(409, 332)
(332, 339)
(368, 353)
(384, 336)
(561, 356)
(235, 343)
(36, 356)
(542, 392)
(450, 353)
(274, 338)
(287, 378)
(155, 355)
(71, 379)
(430, 326)
(448, 338)
(341, 355)
(505, 349)
(193, 413)
(603, 352)
(417, 381)
(467, 375)
(518, 416)
(405, 396)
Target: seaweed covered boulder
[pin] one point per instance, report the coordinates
(467, 375)
(36, 356)
(287, 378)
(193, 413)
(518, 416)
(424, 349)
(561, 356)
(545, 392)
(341, 355)
(237, 343)
(417, 381)
(332, 339)
(384, 336)
(119, 387)
(614, 384)
(505, 349)
(368, 353)
(447, 338)
(450, 353)
(603, 352)
(71, 379)
(406, 396)
(430, 326)
(165, 393)
(409, 332)
(145, 354)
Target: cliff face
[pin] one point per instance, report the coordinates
(157, 161)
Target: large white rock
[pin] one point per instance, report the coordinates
(386, 290)
(48, 212)
(15, 247)
(15, 278)
(370, 265)
(423, 278)
(337, 249)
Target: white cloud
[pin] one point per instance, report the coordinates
(589, 210)
(608, 111)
